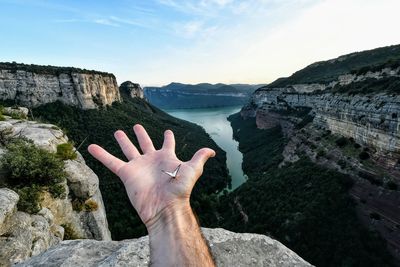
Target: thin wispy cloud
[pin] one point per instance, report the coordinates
(193, 40)
(107, 22)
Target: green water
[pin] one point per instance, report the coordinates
(214, 121)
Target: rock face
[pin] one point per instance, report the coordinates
(228, 249)
(23, 235)
(370, 119)
(8, 200)
(34, 86)
(132, 89)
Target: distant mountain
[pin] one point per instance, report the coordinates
(202, 95)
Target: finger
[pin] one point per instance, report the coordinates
(111, 162)
(126, 145)
(144, 140)
(169, 141)
(201, 156)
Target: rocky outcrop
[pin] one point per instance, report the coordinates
(23, 235)
(8, 200)
(371, 119)
(37, 85)
(228, 249)
(131, 89)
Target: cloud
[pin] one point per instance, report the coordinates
(107, 22)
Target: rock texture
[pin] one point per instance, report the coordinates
(228, 249)
(39, 85)
(23, 235)
(372, 119)
(132, 89)
(8, 200)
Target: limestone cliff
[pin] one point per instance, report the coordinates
(350, 123)
(228, 249)
(370, 119)
(23, 235)
(32, 85)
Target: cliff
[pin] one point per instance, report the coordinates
(228, 249)
(33, 85)
(354, 106)
(343, 114)
(39, 213)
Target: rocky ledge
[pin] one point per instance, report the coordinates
(23, 233)
(228, 249)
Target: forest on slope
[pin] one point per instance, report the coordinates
(303, 205)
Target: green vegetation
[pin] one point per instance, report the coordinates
(303, 205)
(1, 113)
(98, 126)
(364, 155)
(82, 205)
(29, 199)
(66, 151)
(52, 70)
(327, 71)
(390, 64)
(30, 170)
(70, 233)
(261, 148)
(341, 141)
(386, 84)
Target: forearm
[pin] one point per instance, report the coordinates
(176, 239)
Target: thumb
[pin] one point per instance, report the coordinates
(201, 156)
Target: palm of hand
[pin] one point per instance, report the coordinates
(149, 189)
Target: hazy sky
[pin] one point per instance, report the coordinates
(154, 42)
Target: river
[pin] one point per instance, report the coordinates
(215, 123)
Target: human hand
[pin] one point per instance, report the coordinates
(151, 191)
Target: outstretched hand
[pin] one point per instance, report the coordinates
(150, 190)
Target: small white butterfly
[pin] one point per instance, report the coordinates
(174, 173)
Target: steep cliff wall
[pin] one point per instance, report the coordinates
(370, 119)
(37, 85)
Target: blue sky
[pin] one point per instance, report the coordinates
(154, 42)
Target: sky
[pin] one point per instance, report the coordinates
(155, 42)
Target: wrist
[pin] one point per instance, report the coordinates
(177, 215)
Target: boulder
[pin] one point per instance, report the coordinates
(81, 179)
(46, 136)
(228, 249)
(8, 200)
(19, 112)
(131, 89)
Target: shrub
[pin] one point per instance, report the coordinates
(82, 205)
(321, 153)
(5, 135)
(391, 185)
(364, 155)
(17, 116)
(69, 232)
(29, 199)
(66, 151)
(342, 163)
(91, 205)
(341, 142)
(375, 216)
(357, 145)
(28, 164)
(57, 190)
